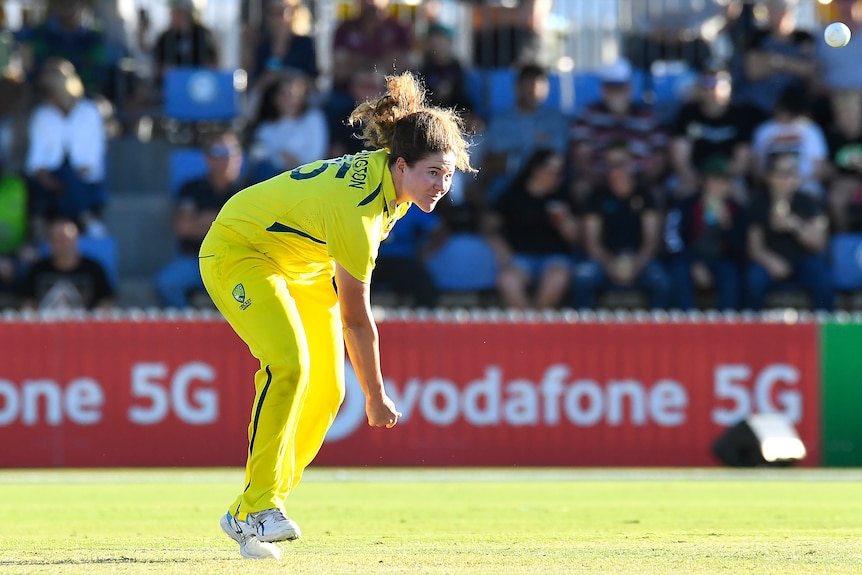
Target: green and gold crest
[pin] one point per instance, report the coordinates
(238, 293)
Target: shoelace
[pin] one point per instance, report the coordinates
(269, 514)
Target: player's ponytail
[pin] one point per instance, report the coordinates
(403, 123)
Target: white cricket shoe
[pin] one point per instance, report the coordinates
(273, 525)
(250, 546)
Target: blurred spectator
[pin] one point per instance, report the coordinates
(67, 35)
(616, 117)
(444, 76)
(513, 136)
(281, 42)
(670, 30)
(185, 43)
(195, 208)
(67, 151)
(288, 130)
(778, 56)
(65, 280)
(790, 131)
(365, 83)
(840, 68)
(706, 238)
(788, 237)
(400, 263)
(374, 36)
(710, 126)
(510, 34)
(532, 228)
(844, 195)
(621, 236)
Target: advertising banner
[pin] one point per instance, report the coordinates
(180, 393)
(842, 394)
(607, 394)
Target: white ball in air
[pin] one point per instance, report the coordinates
(837, 34)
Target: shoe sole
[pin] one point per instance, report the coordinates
(249, 545)
(288, 536)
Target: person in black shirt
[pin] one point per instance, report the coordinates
(532, 228)
(196, 206)
(65, 280)
(621, 236)
(788, 236)
(709, 126)
(705, 235)
(186, 42)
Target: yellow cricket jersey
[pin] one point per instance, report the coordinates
(336, 210)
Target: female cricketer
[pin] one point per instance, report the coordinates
(268, 262)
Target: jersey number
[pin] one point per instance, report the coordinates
(298, 174)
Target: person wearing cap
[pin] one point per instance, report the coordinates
(186, 42)
(710, 125)
(195, 207)
(616, 116)
(788, 238)
(705, 240)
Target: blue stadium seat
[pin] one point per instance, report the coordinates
(103, 250)
(185, 164)
(846, 252)
(200, 94)
(465, 263)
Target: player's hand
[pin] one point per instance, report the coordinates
(381, 412)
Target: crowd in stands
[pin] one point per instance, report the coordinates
(716, 198)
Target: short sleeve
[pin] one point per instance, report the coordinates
(353, 240)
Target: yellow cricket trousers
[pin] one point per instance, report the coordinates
(293, 327)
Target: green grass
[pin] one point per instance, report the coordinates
(443, 521)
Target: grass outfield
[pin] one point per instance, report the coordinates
(443, 521)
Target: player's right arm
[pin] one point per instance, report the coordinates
(363, 347)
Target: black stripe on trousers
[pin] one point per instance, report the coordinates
(257, 415)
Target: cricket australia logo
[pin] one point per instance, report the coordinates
(238, 294)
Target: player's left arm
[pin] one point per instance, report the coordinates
(363, 346)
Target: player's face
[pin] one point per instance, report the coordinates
(427, 181)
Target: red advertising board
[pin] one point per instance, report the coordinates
(174, 393)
